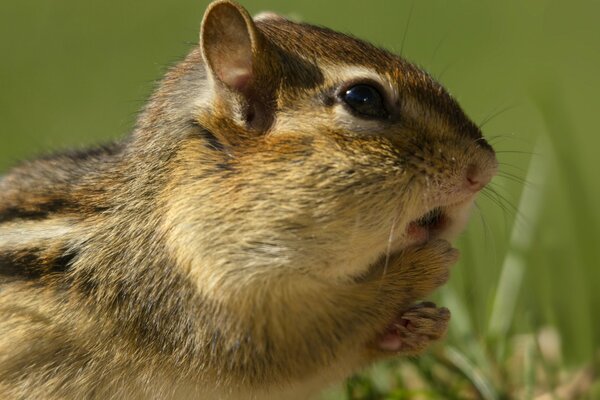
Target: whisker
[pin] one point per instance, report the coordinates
(511, 136)
(487, 231)
(510, 206)
(518, 177)
(443, 72)
(493, 195)
(489, 195)
(529, 153)
(480, 139)
(437, 48)
(514, 178)
(410, 13)
(389, 248)
(512, 166)
(494, 115)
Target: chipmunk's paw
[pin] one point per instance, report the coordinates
(427, 267)
(415, 329)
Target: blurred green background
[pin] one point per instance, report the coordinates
(76, 72)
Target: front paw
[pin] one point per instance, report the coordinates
(415, 329)
(427, 267)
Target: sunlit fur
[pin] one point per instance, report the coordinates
(244, 241)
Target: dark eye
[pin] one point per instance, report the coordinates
(365, 100)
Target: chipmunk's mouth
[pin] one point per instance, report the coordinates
(428, 226)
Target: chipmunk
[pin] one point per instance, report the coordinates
(269, 227)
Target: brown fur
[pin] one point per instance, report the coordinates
(250, 239)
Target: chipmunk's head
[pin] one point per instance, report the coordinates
(316, 148)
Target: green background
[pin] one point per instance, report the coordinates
(75, 72)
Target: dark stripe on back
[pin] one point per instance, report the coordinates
(33, 264)
(33, 211)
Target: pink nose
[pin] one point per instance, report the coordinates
(477, 177)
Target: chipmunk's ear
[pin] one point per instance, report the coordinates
(238, 58)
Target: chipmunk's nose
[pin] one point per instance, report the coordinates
(477, 176)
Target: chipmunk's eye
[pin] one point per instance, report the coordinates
(365, 100)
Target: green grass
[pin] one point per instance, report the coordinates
(524, 296)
